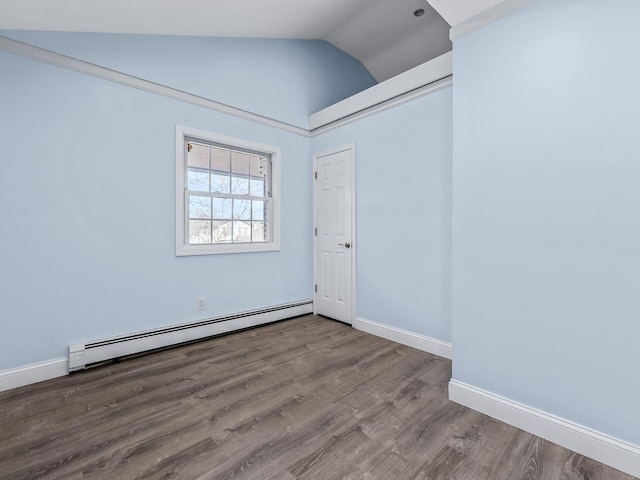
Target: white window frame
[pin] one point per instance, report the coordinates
(183, 248)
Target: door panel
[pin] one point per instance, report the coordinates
(334, 250)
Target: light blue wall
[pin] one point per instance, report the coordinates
(546, 230)
(87, 202)
(403, 170)
(282, 79)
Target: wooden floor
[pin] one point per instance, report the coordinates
(308, 398)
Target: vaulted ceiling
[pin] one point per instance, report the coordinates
(384, 35)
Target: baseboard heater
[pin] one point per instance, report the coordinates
(82, 355)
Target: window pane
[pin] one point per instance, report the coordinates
(219, 183)
(240, 185)
(257, 210)
(257, 187)
(199, 207)
(220, 159)
(221, 231)
(242, 209)
(222, 208)
(256, 166)
(198, 156)
(198, 181)
(242, 232)
(240, 163)
(257, 232)
(199, 231)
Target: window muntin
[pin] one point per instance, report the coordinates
(228, 189)
(228, 194)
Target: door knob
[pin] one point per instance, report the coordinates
(347, 245)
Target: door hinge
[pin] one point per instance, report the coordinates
(316, 231)
(316, 288)
(315, 174)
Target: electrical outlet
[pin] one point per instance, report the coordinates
(202, 303)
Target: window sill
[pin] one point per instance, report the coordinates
(188, 250)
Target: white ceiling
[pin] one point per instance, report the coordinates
(383, 34)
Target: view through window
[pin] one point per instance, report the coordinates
(228, 194)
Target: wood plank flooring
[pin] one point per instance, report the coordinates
(307, 398)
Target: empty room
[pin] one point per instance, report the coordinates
(334, 239)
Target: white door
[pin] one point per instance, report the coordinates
(334, 237)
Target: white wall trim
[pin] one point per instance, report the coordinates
(422, 80)
(603, 448)
(82, 354)
(489, 16)
(37, 372)
(405, 337)
(408, 82)
(386, 105)
(70, 63)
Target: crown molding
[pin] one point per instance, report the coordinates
(489, 16)
(87, 68)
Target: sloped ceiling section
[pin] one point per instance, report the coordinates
(218, 18)
(389, 39)
(383, 34)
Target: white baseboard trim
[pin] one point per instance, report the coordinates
(603, 448)
(28, 374)
(405, 337)
(81, 354)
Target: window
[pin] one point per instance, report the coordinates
(226, 194)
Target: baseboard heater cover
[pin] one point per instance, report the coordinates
(82, 355)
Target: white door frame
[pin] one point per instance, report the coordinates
(354, 240)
